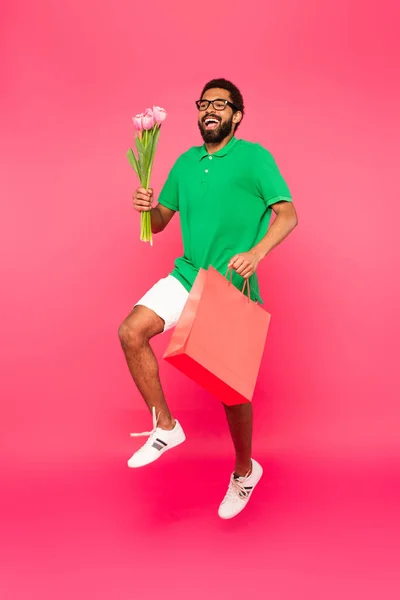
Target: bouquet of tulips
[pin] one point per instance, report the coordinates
(147, 128)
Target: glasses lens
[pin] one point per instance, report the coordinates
(219, 105)
(216, 104)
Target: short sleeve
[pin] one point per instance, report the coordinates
(169, 196)
(271, 185)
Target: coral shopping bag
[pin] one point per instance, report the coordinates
(220, 337)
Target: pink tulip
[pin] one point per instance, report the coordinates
(148, 120)
(138, 122)
(159, 114)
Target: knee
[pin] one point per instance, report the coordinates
(130, 335)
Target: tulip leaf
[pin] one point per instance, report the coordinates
(140, 146)
(133, 161)
(146, 147)
(153, 146)
(148, 156)
(156, 135)
(144, 153)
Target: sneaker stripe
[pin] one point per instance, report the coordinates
(158, 446)
(161, 442)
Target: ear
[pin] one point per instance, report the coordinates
(237, 117)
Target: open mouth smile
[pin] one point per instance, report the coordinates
(211, 123)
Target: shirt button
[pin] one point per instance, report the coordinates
(210, 157)
(206, 171)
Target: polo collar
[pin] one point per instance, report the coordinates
(223, 152)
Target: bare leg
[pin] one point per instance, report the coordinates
(135, 334)
(240, 421)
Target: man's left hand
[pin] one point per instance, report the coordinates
(245, 264)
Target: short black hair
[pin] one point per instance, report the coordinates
(224, 84)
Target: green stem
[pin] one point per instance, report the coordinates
(146, 234)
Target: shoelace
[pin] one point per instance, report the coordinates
(236, 490)
(149, 433)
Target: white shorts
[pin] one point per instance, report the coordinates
(167, 299)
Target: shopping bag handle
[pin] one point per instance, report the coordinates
(246, 282)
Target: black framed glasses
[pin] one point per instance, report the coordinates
(218, 104)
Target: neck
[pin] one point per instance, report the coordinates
(211, 148)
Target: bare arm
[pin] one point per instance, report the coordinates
(246, 263)
(285, 221)
(160, 215)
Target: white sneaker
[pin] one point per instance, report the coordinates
(160, 440)
(239, 491)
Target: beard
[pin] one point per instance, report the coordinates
(217, 135)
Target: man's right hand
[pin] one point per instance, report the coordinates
(143, 199)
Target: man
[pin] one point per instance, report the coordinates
(225, 191)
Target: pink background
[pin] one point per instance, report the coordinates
(320, 82)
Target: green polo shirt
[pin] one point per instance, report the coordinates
(224, 200)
